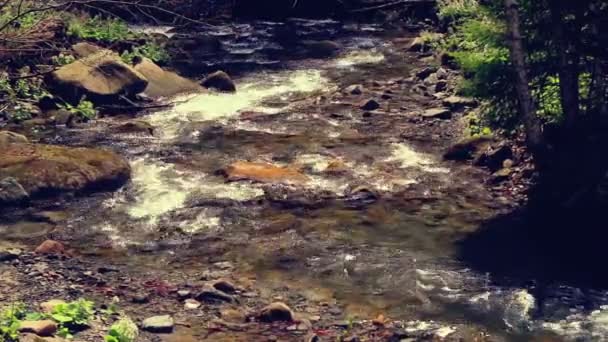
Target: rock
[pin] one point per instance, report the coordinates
(62, 117)
(441, 74)
(321, 48)
(212, 295)
(191, 304)
(224, 286)
(426, 72)
(8, 137)
(232, 315)
(53, 217)
(50, 247)
(35, 338)
(263, 172)
(136, 126)
(418, 45)
(219, 80)
(468, 148)
(34, 123)
(501, 175)
(140, 298)
(9, 254)
(84, 49)
(159, 324)
(50, 169)
(370, 104)
(183, 294)
(40, 328)
(11, 191)
(276, 312)
(101, 76)
(441, 86)
(437, 113)
(507, 163)
(355, 89)
(493, 157)
(163, 83)
(448, 61)
(48, 306)
(457, 102)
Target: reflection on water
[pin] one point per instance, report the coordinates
(359, 58)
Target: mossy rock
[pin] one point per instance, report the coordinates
(44, 169)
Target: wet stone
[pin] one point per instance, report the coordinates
(158, 324)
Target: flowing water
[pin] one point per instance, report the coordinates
(374, 222)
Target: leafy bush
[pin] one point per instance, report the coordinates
(72, 315)
(99, 29)
(63, 59)
(151, 50)
(457, 9)
(122, 331)
(84, 109)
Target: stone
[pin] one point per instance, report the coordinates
(437, 113)
(417, 45)
(263, 172)
(85, 49)
(183, 294)
(370, 104)
(62, 117)
(9, 254)
(224, 286)
(40, 328)
(8, 137)
(232, 315)
(163, 83)
(55, 169)
(501, 175)
(101, 76)
(426, 72)
(159, 324)
(441, 86)
(50, 247)
(355, 89)
(140, 298)
(457, 102)
(136, 126)
(507, 163)
(212, 295)
(11, 191)
(493, 157)
(220, 81)
(27, 337)
(469, 148)
(441, 74)
(191, 304)
(321, 48)
(48, 306)
(276, 312)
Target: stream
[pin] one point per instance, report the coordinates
(368, 213)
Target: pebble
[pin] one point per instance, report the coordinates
(183, 294)
(224, 286)
(192, 304)
(159, 324)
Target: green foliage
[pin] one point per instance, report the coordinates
(84, 109)
(457, 9)
(10, 318)
(63, 59)
(151, 50)
(73, 314)
(99, 29)
(124, 330)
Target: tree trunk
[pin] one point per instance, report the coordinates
(568, 66)
(526, 103)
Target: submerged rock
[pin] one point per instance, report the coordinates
(163, 83)
(276, 312)
(159, 324)
(101, 76)
(46, 168)
(263, 172)
(221, 81)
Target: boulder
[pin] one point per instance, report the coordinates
(263, 172)
(47, 169)
(40, 328)
(276, 312)
(437, 113)
(51, 247)
(101, 76)
(469, 148)
(8, 137)
(85, 49)
(159, 324)
(321, 48)
(219, 80)
(163, 83)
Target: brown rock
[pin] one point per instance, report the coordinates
(162, 83)
(264, 172)
(40, 328)
(55, 168)
(219, 80)
(48, 306)
(8, 137)
(84, 49)
(276, 312)
(232, 315)
(50, 247)
(469, 148)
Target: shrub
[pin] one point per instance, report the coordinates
(122, 331)
(84, 109)
(151, 50)
(10, 319)
(99, 29)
